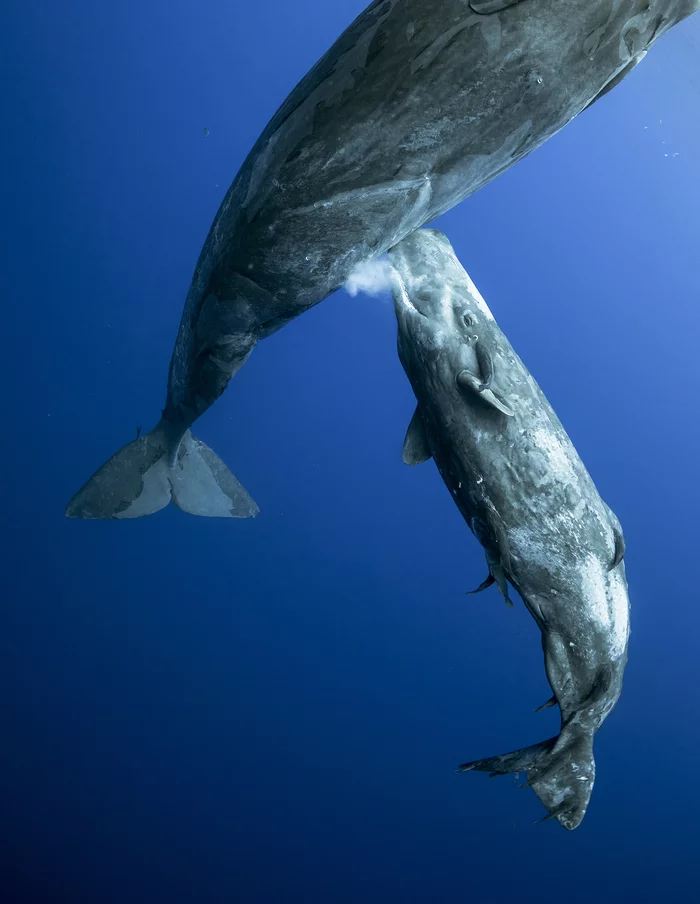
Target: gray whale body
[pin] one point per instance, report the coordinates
(527, 497)
(415, 106)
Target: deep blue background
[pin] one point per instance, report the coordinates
(271, 710)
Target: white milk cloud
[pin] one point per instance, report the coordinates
(372, 277)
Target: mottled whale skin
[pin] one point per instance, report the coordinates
(524, 492)
(415, 106)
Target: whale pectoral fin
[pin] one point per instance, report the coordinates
(416, 449)
(616, 79)
(486, 7)
(496, 403)
(551, 702)
(483, 585)
(467, 380)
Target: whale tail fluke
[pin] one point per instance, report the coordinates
(560, 771)
(155, 469)
(201, 484)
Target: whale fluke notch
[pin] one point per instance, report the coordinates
(159, 467)
(416, 448)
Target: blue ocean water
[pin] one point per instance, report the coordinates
(272, 710)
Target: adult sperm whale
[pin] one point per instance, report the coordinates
(524, 492)
(416, 106)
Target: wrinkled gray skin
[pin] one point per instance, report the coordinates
(524, 492)
(416, 106)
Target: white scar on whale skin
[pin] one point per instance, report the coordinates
(557, 453)
(478, 298)
(397, 281)
(607, 600)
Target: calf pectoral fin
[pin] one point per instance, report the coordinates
(469, 381)
(485, 7)
(416, 449)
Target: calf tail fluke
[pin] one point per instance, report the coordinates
(560, 771)
(157, 468)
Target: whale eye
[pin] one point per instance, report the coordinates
(468, 320)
